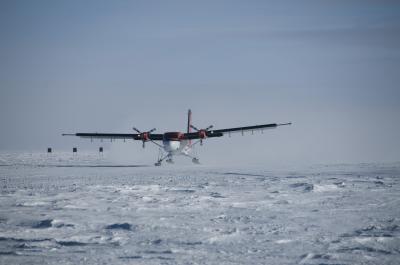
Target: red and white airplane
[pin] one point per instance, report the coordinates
(177, 143)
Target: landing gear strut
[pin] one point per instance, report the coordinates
(167, 156)
(161, 158)
(195, 160)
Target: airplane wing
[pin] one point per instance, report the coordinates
(218, 133)
(251, 128)
(113, 136)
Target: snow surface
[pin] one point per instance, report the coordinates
(60, 209)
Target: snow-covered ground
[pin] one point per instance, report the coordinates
(59, 209)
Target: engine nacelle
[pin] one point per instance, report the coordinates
(202, 134)
(144, 136)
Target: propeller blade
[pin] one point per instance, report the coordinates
(136, 130)
(193, 127)
(152, 130)
(209, 127)
(144, 144)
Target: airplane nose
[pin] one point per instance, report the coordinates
(171, 145)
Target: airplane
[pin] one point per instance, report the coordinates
(177, 143)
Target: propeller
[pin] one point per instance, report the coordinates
(152, 130)
(206, 129)
(144, 136)
(202, 132)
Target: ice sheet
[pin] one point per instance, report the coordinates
(61, 209)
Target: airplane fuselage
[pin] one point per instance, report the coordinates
(174, 143)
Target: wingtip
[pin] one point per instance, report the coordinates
(288, 123)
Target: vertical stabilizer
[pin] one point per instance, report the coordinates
(189, 121)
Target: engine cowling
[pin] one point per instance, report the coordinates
(145, 136)
(202, 134)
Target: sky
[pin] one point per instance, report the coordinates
(330, 67)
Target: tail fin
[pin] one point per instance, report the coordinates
(189, 121)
